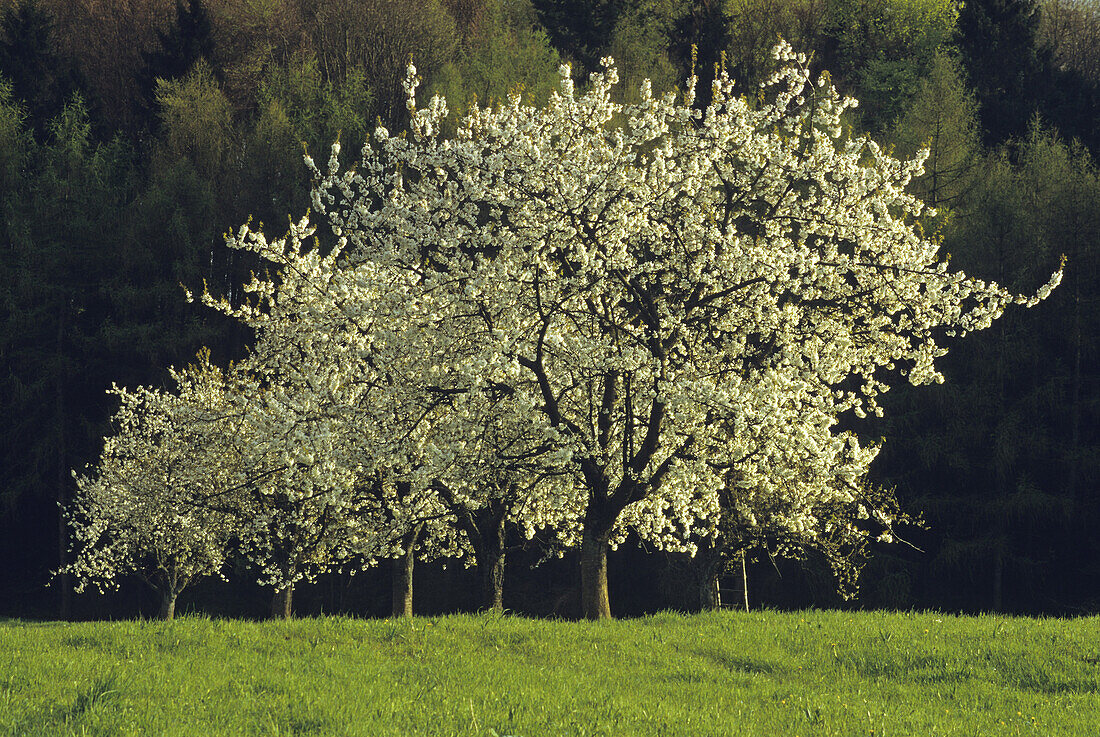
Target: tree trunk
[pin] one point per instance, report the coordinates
(403, 576)
(282, 603)
(710, 595)
(490, 551)
(491, 566)
(709, 565)
(167, 604)
(595, 603)
(403, 584)
(745, 579)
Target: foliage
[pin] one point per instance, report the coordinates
(186, 42)
(505, 53)
(1071, 29)
(295, 96)
(880, 49)
(254, 38)
(16, 146)
(105, 39)
(197, 122)
(579, 29)
(380, 36)
(840, 534)
(90, 302)
(30, 61)
(757, 24)
(942, 117)
(640, 47)
(999, 44)
(296, 108)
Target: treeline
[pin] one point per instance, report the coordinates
(133, 133)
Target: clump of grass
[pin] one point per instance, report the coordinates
(762, 673)
(99, 692)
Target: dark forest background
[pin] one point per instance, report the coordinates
(133, 133)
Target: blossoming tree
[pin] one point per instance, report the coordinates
(673, 300)
(138, 511)
(300, 510)
(333, 440)
(502, 485)
(839, 531)
(349, 381)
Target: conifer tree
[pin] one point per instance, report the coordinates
(996, 457)
(999, 44)
(29, 60)
(187, 41)
(941, 117)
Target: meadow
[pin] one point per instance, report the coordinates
(763, 673)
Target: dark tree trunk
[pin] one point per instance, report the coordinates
(491, 566)
(282, 603)
(710, 593)
(488, 541)
(403, 576)
(595, 603)
(710, 566)
(167, 610)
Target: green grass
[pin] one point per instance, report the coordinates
(765, 673)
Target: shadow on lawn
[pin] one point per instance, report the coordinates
(736, 663)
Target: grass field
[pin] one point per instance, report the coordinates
(765, 673)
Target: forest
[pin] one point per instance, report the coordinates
(135, 133)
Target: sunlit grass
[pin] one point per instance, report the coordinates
(764, 673)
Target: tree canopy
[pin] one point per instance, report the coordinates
(681, 301)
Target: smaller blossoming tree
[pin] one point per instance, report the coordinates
(145, 507)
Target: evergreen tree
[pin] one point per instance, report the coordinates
(699, 41)
(1001, 54)
(1071, 104)
(941, 117)
(1002, 456)
(39, 76)
(59, 255)
(580, 29)
(90, 301)
(179, 48)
